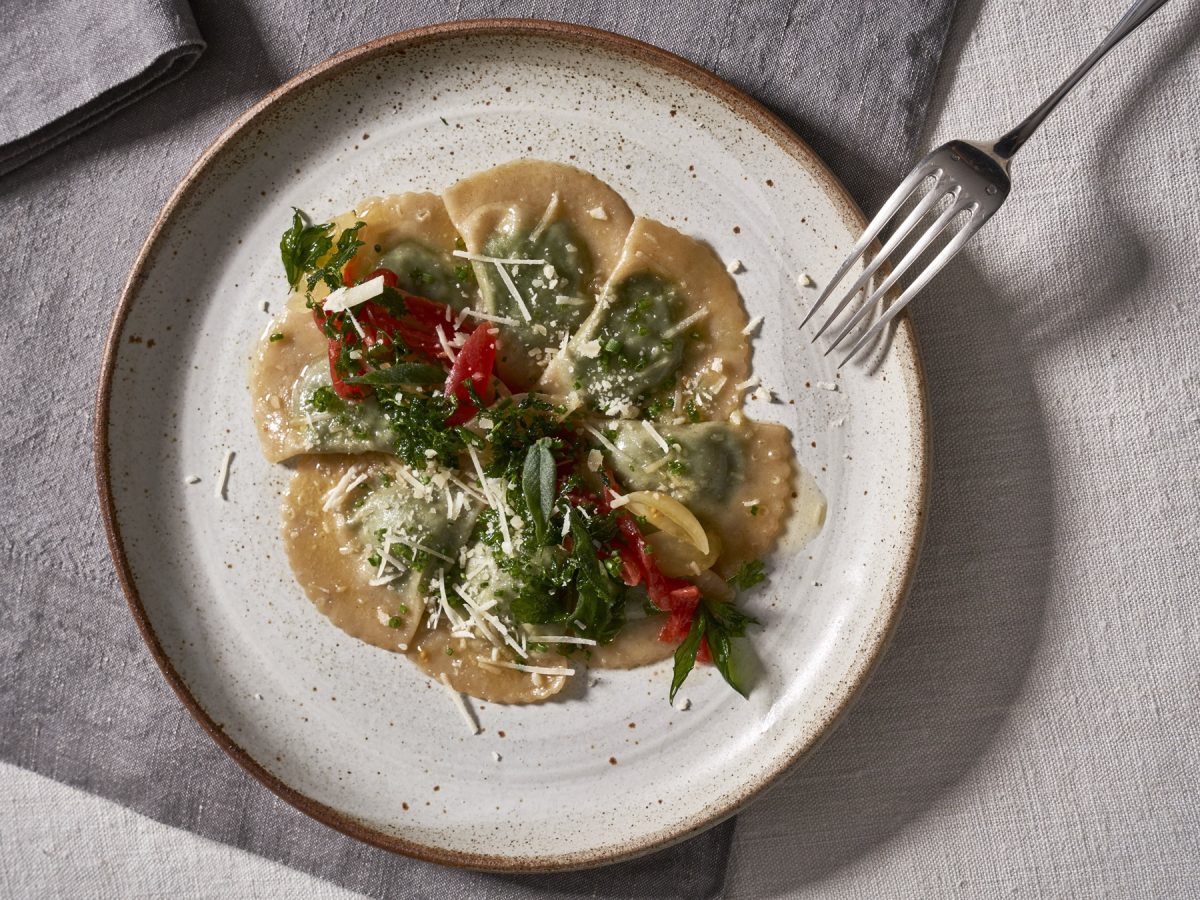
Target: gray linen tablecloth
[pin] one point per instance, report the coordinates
(79, 697)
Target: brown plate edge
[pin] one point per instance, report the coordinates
(738, 101)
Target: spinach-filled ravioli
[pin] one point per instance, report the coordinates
(666, 339)
(564, 230)
(372, 552)
(295, 407)
(514, 419)
(739, 480)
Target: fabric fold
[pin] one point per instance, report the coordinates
(66, 66)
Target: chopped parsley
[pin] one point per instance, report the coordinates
(748, 575)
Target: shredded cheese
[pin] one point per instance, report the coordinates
(680, 327)
(345, 297)
(513, 292)
(535, 670)
(223, 475)
(544, 221)
(446, 348)
(605, 442)
(495, 501)
(563, 639)
(658, 438)
(421, 548)
(461, 704)
(496, 260)
(752, 326)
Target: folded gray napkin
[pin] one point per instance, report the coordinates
(80, 698)
(66, 65)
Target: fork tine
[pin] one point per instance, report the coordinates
(894, 202)
(978, 217)
(914, 252)
(901, 232)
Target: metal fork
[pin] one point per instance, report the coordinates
(973, 177)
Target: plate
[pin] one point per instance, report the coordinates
(355, 736)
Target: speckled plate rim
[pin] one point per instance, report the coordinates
(771, 126)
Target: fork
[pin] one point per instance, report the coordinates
(973, 176)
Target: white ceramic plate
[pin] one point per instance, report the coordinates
(355, 736)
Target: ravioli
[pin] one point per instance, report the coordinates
(737, 479)
(329, 549)
(474, 533)
(411, 235)
(568, 220)
(330, 532)
(666, 338)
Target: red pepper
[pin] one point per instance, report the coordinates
(340, 387)
(675, 596)
(417, 328)
(389, 277)
(472, 365)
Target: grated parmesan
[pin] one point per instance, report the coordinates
(544, 221)
(605, 442)
(446, 348)
(535, 670)
(513, 292)
(461, 703)
(345, 297)
(563, 639)
(223, 475)
(496, 260)
(680, 327)
(658, 438)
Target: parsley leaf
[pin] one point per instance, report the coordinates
(748, 575)
(718, 624)
(535, 605)
(418, 424)
(725, 622)
(598, 609)
(303, 245)
(685, 653)
(331, 273)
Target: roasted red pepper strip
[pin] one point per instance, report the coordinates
(472, 365)
(417, 328)
(340, 387)
(389, 277)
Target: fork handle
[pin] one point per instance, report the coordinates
(1010, 143)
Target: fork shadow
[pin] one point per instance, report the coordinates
(973, 621)
(1120, 261)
